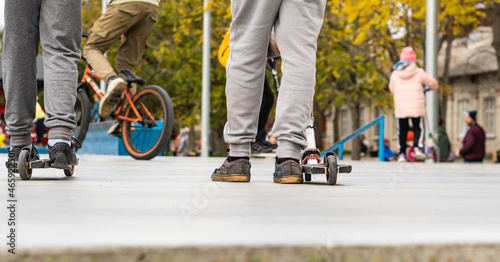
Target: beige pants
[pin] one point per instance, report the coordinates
(134, 21)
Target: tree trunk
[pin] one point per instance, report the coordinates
(318, 124)
(356, 143)
(219, 146)
(336, 130)
(495, 24)
(192, 140)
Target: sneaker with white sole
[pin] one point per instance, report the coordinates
(418, 154)
(116, 86)
(401, 158)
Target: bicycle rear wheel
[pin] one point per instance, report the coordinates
(82, 112)
(150, 136)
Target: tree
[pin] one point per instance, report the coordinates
(173, 58)
(174, 61)
(495, 24)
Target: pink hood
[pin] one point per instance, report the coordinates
(407, 87)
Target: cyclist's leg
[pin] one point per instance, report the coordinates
(60, 35)
(265, 108)
(297, 28)
(105, 32)
(21, 40)
(134, 40)
(250, 31)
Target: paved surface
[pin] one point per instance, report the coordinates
(119, 202)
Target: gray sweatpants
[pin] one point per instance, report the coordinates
(58, 26)
(297, 24)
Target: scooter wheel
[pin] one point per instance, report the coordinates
(69, 172)
(23, 163)
(332, 170)
(307, 177)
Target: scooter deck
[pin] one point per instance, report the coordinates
(314, 169)
(322, 169)
(42, 163)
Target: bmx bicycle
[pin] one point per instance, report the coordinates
(143, 120)
(310, 157)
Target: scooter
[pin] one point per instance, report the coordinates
(310, 157)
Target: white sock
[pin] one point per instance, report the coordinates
(52, 142)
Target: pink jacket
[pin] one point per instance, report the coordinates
(407, 87)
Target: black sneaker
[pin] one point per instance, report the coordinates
(273, 146)
(62, 156)
(13, 161)
(235, 171)
(288, 172)
(261, 147)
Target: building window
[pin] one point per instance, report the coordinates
(345, 122)
(463, 106)
(489, 116)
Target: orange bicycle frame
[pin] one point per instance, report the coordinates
(88, 78)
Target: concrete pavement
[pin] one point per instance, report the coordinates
(117, 203)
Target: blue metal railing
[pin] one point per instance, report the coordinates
(340, 144)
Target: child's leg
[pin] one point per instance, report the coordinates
(417, 131)
(250, 31)
(403, 132)
(60, 33)
(134, 42)
(297, 28)
(21, 40)
(105, 32)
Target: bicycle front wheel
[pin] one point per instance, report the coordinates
(149, 137)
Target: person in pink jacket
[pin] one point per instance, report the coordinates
(407, 85)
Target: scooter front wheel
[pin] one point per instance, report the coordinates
(24, 170)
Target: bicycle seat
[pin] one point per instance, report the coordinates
(131, 78)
